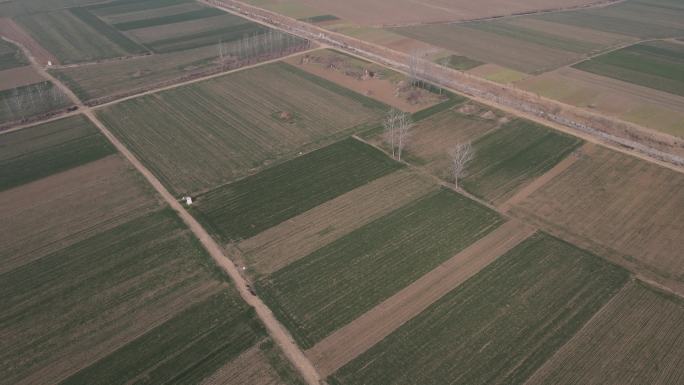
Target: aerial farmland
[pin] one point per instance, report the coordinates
(290, 192)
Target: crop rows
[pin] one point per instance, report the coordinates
(507, 158)
(657, 65)
(39, 151)
(618, 205)
(170, 19)
(497, 327)
(200, 136)
(253, 204)
(359, 270)
(638, 338)
(106, 290)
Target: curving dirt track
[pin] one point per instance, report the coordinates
(12, 31)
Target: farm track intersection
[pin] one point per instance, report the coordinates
(278, 332)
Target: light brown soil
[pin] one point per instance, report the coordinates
(278, 246)
(618, 206)
(251, 367)
(432, 139)
(13, 31)
(383, 90)
(17, 77)
(361, 334)
(637, 338)
(559, 168)
(642, 105)
(86, 199)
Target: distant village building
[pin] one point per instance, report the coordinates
(188, 200)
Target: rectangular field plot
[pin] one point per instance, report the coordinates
(500, 325)
(80, 201)
(195, 33)
(168, 19)
(638, 338)
(27, 101)
(508, 158)
(299, 236)
(434, 137)
(638, 18)
(39, 151)
(658, 65)
(119, 78)
(245, 208)
(187, 348)
(336, 284)
(75, 35)
(645, 106)
(618, 205)
(202, 135)
(461, 63)
(73, 307)
(532, 47)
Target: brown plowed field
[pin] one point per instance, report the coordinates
(620, 203)
(296, 238)
(17, 77)
(251, 367)
(526, 191)
(12, 31)
(637, 338)
(361, 334)
(383, 89)
(81, 201)
(432, 139)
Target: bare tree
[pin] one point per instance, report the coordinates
(414, 67)
(397, 126)
(390, 124)
(405, 123)
(460, 156)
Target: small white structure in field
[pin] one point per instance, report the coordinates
(49, 63)
(188, 200)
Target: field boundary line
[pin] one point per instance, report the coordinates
(275, 329)
(533, 186)
(570, 120)
(437, 180)
(208, 77)
(356, 337)
(597, 4)
(627, 286)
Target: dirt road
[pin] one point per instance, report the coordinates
(279, 334)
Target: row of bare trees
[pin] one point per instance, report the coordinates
(422, 73)
(22, 102)
(260, 46)
(397, 126)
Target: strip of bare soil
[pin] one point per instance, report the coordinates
(360, 335)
